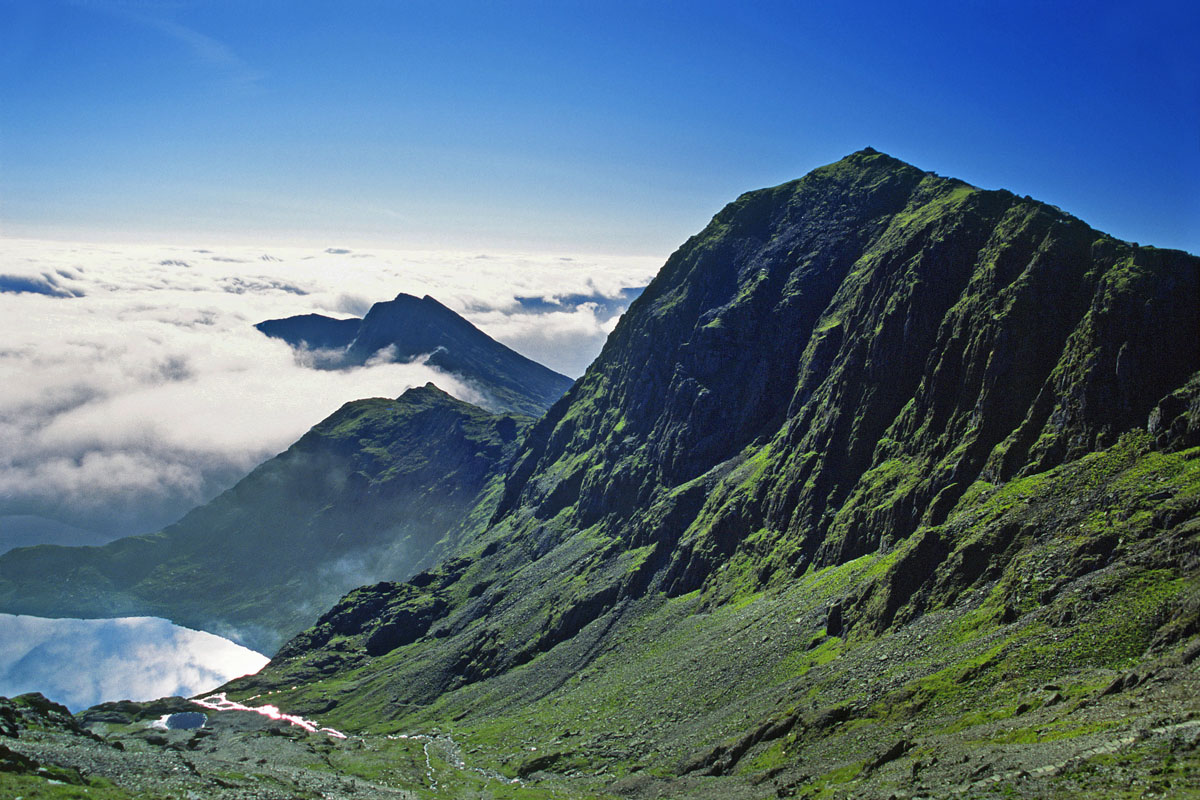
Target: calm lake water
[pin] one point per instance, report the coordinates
(82, 662)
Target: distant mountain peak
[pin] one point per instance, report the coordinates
(430, 390)
(410, 328)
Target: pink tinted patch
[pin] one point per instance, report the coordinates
(219, 702)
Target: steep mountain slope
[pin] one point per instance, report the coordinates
(874, 439)
(408, 328)
(367, 494)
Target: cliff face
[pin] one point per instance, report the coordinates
(881, 337)
(874, 414)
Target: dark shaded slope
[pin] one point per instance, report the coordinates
(367, 494)
(409, 328)
(814, 385)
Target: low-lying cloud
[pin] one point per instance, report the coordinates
(46, 284)
(80, 663)
(135, 386)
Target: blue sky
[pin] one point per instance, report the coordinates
(616, 127)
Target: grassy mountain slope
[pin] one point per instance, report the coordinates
(367, 494)
(865, 466)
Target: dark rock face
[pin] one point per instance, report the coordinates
(1175, 421)
(390, 614)
(891, 335)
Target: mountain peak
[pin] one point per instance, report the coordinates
(851, 399)
(861, 302)
(875, 447)
(429, 391)
(869, 155)
(407, 328)
(414, 328)
(405, 297)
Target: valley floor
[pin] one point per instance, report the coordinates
(1136, 737)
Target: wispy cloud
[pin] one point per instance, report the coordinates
(211, 52)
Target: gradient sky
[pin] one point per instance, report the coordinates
(616, 127)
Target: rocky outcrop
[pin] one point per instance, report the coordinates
(1175, 421)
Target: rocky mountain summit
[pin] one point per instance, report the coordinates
(886, 486)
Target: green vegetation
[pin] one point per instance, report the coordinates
(37, 787)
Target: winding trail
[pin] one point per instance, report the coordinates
(1099, 750)
(451, 752)
(444, 747)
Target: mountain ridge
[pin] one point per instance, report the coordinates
(369, 493)
(177, 573)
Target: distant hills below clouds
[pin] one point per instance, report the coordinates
(375, 492)
(134, 387)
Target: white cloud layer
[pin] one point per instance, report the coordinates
(82, 662)
(133, 385)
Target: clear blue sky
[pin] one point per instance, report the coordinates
(573, 126)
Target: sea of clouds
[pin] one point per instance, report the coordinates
(133, 385)
(82, 662)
